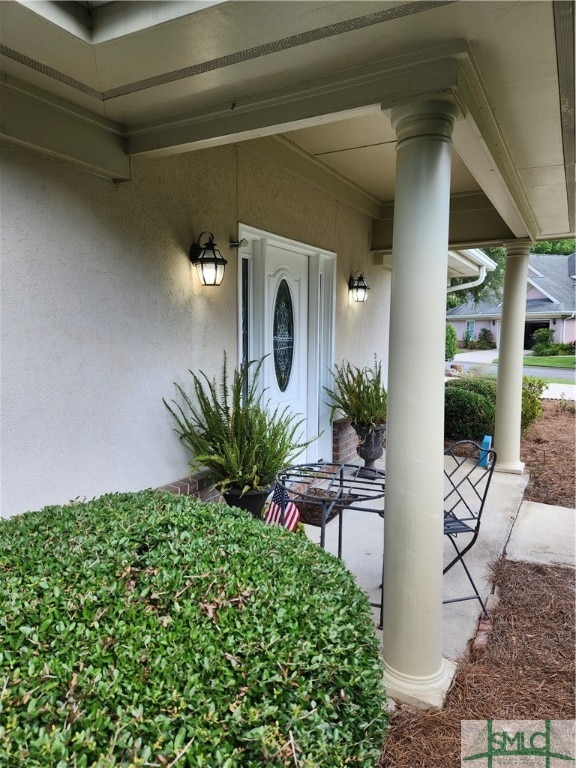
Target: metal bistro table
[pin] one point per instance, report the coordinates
(330, 489)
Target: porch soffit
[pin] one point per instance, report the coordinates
(138, 93)
(349, 95)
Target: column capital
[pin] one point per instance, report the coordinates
(520, 247)
(433, 117)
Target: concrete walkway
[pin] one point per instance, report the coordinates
(565, 391)
(522, 530)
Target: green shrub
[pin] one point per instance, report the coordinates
(457, 418)
(451, 347)
(543, 350)
(532, 389)
(481, 385)
(552, 350)
(467, 415)
(533, 385)
(468, 340)
(151, 630)
(543, 336)
(486, 339)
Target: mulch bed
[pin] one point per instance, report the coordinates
(527, 670)
(548, 450)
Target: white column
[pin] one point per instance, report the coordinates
(509, 388)
(414, 668)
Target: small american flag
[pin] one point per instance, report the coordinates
(274, 514)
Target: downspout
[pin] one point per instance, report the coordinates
(479, 280)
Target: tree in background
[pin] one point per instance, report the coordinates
(491, 288)
(557, 247)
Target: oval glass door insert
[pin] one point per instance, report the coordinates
(283, 335)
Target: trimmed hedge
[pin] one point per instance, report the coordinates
(552, 350)
(150, 630)
(467, 414)
(481, 385)
(471, 416)
(545, 346)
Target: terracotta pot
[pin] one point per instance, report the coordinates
(252, 501)
(370, 447)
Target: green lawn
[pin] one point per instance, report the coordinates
(560, 361)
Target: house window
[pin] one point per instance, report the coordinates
(470, 329)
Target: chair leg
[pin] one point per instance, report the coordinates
(476, 595)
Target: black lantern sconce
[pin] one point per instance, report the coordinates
(358, 287)
(209, 262)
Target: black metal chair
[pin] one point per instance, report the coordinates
(468, 471)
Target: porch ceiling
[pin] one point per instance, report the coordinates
(157, 78)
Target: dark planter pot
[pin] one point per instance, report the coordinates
(370, 447)
(251, 501)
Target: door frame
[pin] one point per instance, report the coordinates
(321, 323)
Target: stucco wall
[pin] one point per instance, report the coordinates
(479, 325)
(567, 331)
(101, 310)
(460, 328)
(534, 293)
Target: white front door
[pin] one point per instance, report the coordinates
(287, 314)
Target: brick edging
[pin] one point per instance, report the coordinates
(198, 486)
(479, 642)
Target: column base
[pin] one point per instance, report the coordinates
(511, 467)
(420, 692)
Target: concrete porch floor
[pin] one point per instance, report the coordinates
(524, 530)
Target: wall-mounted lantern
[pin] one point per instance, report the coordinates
(358, 287)
(209, 262)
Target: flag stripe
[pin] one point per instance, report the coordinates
(280, 497)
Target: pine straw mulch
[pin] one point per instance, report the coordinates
(527, 670)
(547, 448)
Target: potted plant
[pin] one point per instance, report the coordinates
(360, 395)
(230, 431)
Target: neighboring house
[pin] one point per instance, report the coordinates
(550, 303)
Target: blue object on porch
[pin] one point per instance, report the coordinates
(486, 445)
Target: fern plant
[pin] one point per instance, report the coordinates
(231, 431)
(359, 394)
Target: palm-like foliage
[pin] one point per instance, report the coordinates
(359, 394)
(230, 430)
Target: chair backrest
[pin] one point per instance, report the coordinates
(468, 469)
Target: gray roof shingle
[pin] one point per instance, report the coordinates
(553, 275)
